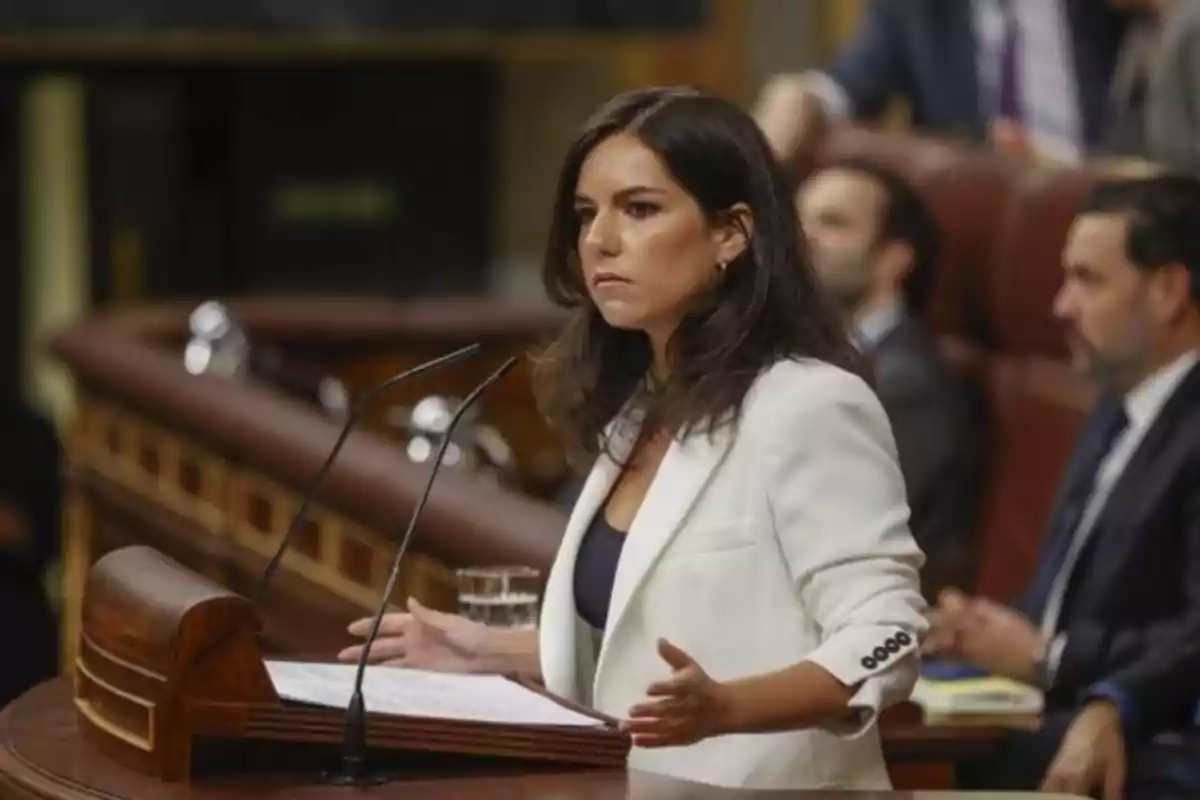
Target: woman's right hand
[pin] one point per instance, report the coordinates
(422, 638)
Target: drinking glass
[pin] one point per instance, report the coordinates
(500, 596)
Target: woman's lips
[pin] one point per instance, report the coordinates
(609, 280)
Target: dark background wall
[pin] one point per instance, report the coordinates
(371, 15)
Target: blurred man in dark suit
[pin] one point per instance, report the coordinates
(29, 543)
(1110, 627)
(874, 245)
(1027, 75)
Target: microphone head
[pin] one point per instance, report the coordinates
(475, 446)
(431, 414)
(218, 344)
(211, 320)
(334, 397)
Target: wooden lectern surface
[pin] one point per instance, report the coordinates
(44, 755)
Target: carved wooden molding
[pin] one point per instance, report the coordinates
(239, 504)
(216, 468)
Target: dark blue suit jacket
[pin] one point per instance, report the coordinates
(924, 51)
(1131, 617)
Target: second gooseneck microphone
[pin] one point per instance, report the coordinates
(353, 771)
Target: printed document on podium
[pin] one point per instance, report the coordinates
(418, 693)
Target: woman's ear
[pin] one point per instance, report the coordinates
(733, 232)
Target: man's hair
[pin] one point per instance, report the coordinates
(1164, 220)
(904, 217)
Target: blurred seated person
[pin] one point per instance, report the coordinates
(874, 245)
(1155, 90)
(1111, 623)
(29, 536)
(1020, 73)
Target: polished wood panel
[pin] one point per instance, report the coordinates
(44, 756)
(170, 673)
(209, 470)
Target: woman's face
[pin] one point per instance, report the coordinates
(645, 247)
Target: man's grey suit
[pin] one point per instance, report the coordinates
(1173, 104)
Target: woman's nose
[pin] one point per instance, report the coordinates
(601, 233)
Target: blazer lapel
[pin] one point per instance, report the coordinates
(681, 477)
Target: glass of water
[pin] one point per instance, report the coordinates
(503, 597)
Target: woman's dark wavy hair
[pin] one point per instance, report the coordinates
(767, 306)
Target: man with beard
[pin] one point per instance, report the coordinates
(874, 245)
(1110, 627)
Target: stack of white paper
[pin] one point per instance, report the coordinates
(417, 693)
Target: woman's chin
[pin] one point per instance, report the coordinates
(621, 317)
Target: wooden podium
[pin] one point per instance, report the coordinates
(169, 677)
(45, 755)
(170, 698)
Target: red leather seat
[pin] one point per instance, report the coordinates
(1004, 226)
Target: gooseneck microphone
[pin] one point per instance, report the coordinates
(351, 420)
(353, 771)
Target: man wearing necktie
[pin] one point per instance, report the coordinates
(1110, 627)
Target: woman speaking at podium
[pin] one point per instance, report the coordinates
(737, 582)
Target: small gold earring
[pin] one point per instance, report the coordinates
(721, 265)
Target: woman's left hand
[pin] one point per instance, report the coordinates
(684, 709)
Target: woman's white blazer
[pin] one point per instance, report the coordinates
(781, 539)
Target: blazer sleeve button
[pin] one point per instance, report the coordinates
(903, 638)
(868, 662)
(892, 645)
(881, 654)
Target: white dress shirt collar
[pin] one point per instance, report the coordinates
(1144, 401)
(873, 328)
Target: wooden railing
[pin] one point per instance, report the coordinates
(210, 470)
